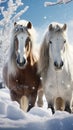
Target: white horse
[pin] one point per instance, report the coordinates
(56, 67)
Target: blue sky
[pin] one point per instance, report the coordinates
(39, 15)
(37, 12)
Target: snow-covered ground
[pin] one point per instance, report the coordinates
(11, 116)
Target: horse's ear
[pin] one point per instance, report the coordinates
(50, 27)
(64, 27)
(29, 25)
(15, 23)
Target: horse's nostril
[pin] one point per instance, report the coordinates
(24, 60)
(61, 64)
(22, 29)
(55, 64)
(18, 59)
(58, 65)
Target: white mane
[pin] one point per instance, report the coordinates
(54, 24)
(57, 26)
(31, 31)
(68, 58)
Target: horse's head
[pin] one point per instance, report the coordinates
(57, 42)
(22, 43)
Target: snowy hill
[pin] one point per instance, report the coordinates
(11, 116)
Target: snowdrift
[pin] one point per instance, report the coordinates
(12, 117)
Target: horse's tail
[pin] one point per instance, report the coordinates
(59, 104)
(24, 103)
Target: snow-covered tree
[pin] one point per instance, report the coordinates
(10, 15)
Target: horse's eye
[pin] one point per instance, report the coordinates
(64, 41)
(50, 42)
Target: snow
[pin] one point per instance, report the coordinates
(11, 116)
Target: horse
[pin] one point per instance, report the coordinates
(20, 70)
(56, 67)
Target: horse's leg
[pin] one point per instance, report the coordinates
(67, 107)
(50, 101)
(40, 97)
(24, 103)
(14, 96)
(50, 105)
(32, 100)
(59, 104)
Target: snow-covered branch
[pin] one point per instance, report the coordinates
(2, 1)
(55, 3)
(10, 12)
(17, 16)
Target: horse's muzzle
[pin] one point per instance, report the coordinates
(21, 64)
(58, 66)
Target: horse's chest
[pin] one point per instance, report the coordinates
(58, 81)
(27, 80)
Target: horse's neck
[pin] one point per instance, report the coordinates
(58, 76)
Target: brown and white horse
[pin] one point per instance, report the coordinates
(20, 71)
